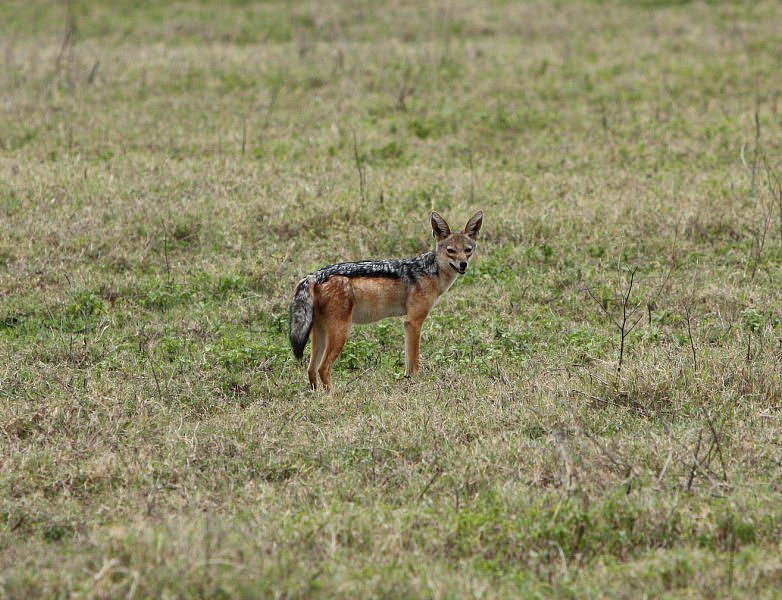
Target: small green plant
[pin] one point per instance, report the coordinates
(164, 296)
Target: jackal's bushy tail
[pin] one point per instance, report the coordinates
(302, 310)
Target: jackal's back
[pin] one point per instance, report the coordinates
(407, 269)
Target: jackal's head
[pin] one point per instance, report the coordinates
(454, 250)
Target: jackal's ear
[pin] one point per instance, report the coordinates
(440, 229)
(474, 225)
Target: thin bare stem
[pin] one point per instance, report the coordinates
(695, 461)
(362, 184)
(692, 343)
(472, 176)
(623, 330)
(69, 37)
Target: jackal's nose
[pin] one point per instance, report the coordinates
(463, 265)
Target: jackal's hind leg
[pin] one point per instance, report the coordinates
(336, 335)
(318, 342)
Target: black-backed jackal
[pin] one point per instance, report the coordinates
(328, 301)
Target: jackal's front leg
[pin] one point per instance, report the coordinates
(412, 345)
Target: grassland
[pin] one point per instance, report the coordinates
(169, 170)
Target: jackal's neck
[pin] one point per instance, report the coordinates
(445, 277)
(426, 265)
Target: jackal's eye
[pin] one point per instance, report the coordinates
(468, 249)
(450, 250)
